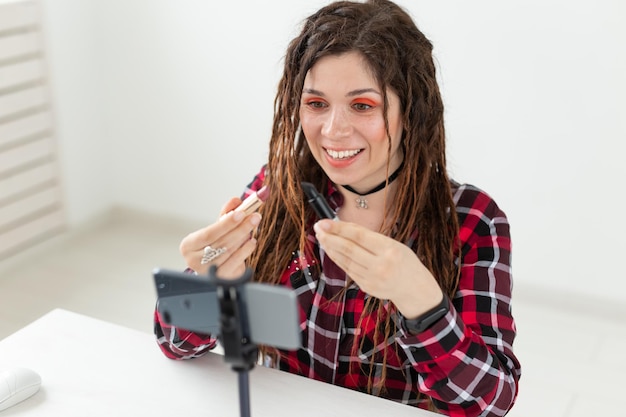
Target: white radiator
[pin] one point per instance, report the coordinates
(31, 204)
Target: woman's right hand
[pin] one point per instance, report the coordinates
(231, 235)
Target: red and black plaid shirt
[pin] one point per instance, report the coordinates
(464, 362)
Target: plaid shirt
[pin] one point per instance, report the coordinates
(464, 362)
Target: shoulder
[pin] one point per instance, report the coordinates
(477, 211)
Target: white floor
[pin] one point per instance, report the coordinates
(572, 357)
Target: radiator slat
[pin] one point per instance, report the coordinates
(29, 234)
(19, 45)
(23, 128)
(16, 74)
(31, 199)
(26, 181)
(18, 15)
(21, 101)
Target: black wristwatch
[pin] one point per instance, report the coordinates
(423, 322)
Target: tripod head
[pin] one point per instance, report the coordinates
(239, 351)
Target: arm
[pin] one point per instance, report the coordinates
(183, 344)
(466, 359)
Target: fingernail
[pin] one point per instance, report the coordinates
(321, 225)
(255, 219)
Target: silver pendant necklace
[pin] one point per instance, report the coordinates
(361, 201)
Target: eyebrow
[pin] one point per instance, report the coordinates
(350, 94)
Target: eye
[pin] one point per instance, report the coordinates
(315, 104)
(363, 105)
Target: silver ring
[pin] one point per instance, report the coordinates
(210, 254)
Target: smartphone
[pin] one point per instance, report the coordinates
(190, 302)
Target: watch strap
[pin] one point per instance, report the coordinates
(424, 321)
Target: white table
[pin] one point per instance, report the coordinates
(93, 368)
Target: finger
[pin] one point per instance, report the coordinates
(234, 266)
(230, 247)
(367, 239)
(225, 260)
(232, 204)
(346, 253)
(200, 238)
(353, 260)
(230, 234)
(239, 235)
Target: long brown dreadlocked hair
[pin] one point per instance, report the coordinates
(400, 58)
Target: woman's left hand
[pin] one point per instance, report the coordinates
(381, 266)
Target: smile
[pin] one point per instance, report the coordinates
(342, 154)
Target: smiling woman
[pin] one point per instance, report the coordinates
(406, 296)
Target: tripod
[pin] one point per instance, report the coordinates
(239, 351)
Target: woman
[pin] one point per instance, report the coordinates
(406, 297)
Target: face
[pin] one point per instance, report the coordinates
(341, 112)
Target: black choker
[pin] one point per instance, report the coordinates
(360, 201)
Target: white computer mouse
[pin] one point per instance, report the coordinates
(16, 385)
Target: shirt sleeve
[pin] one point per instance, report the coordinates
(465, 360)
(178, 343)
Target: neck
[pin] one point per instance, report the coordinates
(380, 186)
(361, 201)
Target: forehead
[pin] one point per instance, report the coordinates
(347, 70)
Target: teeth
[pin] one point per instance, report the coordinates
(342, 154)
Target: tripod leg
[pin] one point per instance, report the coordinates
(244, 392)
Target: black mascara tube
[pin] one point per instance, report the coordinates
(319, 203)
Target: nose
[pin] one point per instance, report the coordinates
(337, 124)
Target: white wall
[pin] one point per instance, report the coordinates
(166, 106)
(75, 82)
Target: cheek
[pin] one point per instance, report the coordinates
(309, 127)
(395, 130)
(374, 130)
(308, 132)
(304, 120)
